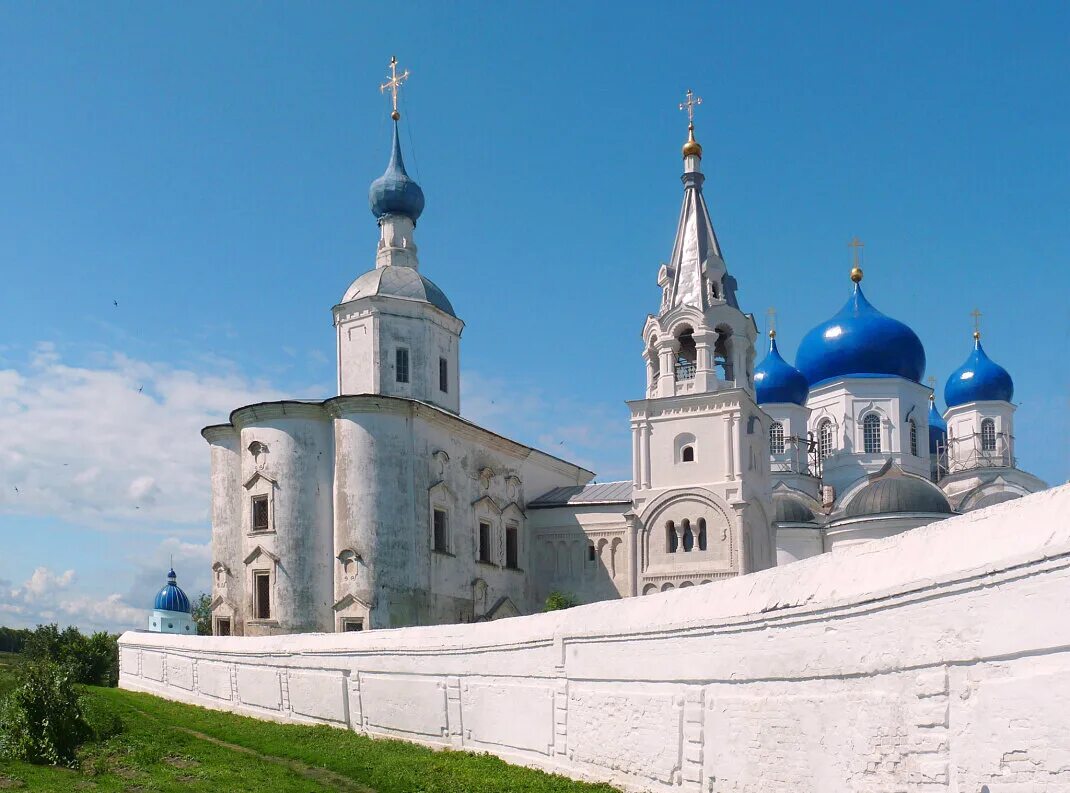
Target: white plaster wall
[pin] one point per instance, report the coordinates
(228, 582)
(562, 560)
(934, 660)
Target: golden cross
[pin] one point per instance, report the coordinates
(690, 105)
(857, 244)
(976, 322)
(394, 83)
(771, 313)
(932, 387)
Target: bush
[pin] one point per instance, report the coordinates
(93, 660)
(41, 720)
(556, 601)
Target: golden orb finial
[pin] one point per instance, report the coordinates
(772, 334)
(692, 148)
(977, 335)
(856, 274)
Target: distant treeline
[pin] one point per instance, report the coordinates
(13, 640)
(91, 659)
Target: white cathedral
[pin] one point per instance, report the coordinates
(383, 507)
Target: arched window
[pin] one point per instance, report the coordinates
(871, 434)
(988, 435)
(687, 356)
(702, 534)
(689, 536)
(824, 439)
(687, 454)
(776, 438)
(913, 438)
(671, 542)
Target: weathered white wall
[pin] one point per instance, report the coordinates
(935, 660)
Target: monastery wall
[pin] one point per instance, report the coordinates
(937, 660)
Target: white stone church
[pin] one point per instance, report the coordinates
(384, 507)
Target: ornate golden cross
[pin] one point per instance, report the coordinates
(771, 313)
(690, 105)
(394, 83)
(976, 322)
(932, 387)
(857, 245)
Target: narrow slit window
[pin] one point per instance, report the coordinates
(671, 540)
(913, 438)
(262, 592)
(687, 454)
(261, 518)
(441, 531)
(512, 555)
(689, 537)
(702, 534)
(401, 368)
(443, 375)
(484, 541)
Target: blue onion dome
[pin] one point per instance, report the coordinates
(394, 193)
(860, 341)
(980, 379)
(937, 426)
(171, 597)
(776, 380)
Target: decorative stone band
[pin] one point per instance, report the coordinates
(935, 660)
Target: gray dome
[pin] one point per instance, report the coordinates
(792, 510)
(898, 494)
(995, 498)
(398, 281)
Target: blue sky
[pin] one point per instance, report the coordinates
(206, 167)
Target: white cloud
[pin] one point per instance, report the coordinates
(116, 446)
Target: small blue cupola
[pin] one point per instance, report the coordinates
(171, 597)
(937, 427)
(777, 381)
(979, 379)
(860, 341)
(395, 193)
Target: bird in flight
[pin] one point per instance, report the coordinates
(139, 388)
(115, 303)
(16, 488)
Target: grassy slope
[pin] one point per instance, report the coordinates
(157, 752)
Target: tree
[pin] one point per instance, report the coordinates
(556, 601)
(202, 614)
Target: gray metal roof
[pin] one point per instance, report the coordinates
(791, 510)
(398, 281)
(898, 494)
(604, 493)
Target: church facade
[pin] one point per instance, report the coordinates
(384, 507)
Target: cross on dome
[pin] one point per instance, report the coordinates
(692, 147)
(976, 314)
(394, 83)
(856, 258)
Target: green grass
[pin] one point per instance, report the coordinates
(167, 746)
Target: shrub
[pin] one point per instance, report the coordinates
(556, 601)
(41, 720)
(93, 660)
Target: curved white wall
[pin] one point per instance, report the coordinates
(935, 660)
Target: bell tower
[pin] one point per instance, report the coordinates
(700, 458)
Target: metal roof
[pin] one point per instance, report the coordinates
(604, 493)
(399, 281)
(792, 510)
(898, 494)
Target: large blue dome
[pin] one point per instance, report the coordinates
(394, 193)
(860, 341)
(776, 380)
(171, 597)
(979, 379)
(937, 427)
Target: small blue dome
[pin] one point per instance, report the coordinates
(979, 379)
(394, 193)
(776, 380)
(171, 597)
(860, 341)
(937, 427)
